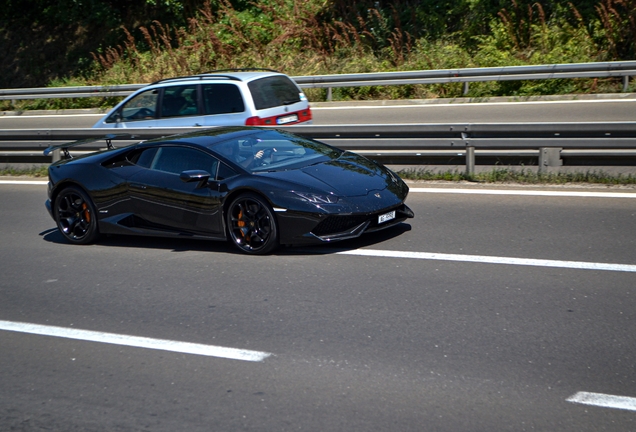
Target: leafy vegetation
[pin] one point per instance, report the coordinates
(113, 41)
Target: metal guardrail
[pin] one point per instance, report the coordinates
(624, 69)
(547, 140)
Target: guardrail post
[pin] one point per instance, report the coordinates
(465, 88)
(470, 160)
(329, 94)
(625, 83)
(549, 157)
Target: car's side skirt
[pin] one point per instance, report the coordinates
(132, 225)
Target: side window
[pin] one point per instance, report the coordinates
(179, 101)
(175, 160)
(225, 172)
(143, 157)
(141, 107)
(222, 99)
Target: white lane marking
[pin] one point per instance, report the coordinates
(491, 260)
(526, 192)
(23, 182)
(604, 400)
(134, 341)
(468, 104)
(448, 191)
(17, 117)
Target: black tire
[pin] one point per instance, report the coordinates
(75, 216)
(251, 225)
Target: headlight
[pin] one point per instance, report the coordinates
(318, 198)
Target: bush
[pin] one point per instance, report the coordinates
(316, 37)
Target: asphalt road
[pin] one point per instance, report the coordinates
(596, 110)
(356, 343)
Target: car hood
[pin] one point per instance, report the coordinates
(349, 175)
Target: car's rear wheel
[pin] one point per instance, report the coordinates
(252, 225)
(75, 216)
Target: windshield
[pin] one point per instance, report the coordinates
(272, 150)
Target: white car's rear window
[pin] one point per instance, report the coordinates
(273, 91)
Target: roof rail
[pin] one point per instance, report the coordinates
(241, 70)
(214, 74)
(193, 77)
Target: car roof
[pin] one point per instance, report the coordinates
(244, 75)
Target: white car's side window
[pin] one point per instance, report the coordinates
(179, 101)
(222, 99)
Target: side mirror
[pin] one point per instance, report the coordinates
(199, 176)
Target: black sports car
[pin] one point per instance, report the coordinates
(258, 187)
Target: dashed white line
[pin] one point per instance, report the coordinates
(135, 341)
(23, 182)
(475, 105)
(581, 265)
(525, 192)
(604, 400)
(29, 116)
(450, 191)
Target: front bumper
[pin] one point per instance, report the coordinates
(342, 227)
(300, 228)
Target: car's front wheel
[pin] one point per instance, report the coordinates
(75, 216)
(252, 225)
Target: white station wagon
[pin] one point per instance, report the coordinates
(219, 98)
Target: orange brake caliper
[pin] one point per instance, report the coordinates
(241, 224)
(87, 214)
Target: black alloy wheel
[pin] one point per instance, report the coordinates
(251, 224)
(75, 216)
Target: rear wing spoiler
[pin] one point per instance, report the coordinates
(64, 147)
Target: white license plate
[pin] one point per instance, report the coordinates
(287, 119)
(386, 217)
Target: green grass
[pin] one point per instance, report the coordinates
(523, 176)
(496, 175)
(35, 171)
